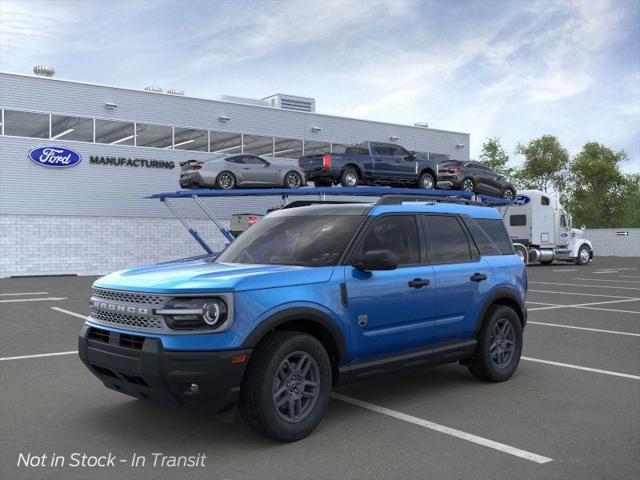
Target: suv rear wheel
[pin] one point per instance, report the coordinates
(285, 391)
(499, 345)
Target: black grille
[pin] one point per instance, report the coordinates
(129, 297)
(129, 320)
(99, 335)
(131, 341)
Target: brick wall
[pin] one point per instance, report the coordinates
(44, 244)
(607, 242)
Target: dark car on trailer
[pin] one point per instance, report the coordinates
(474, 177)
(371, 163)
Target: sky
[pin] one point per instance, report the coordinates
(508, 69)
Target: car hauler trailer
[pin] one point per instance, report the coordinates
(400, 194)
(541, 230)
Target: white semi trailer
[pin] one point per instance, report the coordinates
(541, 230)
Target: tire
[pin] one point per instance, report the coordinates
(523, 253)
(584, 255)
(292, 180)
(509, 194)
(427, 181)
(258, 405)
(225, 180)
(499, 318)
(468, 185)
(349, 178)
(322, 182)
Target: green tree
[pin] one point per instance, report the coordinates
(495, 157)
(599, 193)
(544, 165)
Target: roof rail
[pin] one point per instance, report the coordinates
(479, 200)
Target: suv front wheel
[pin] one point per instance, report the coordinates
(499, 345)
(285, 392)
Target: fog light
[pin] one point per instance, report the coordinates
(194, 388)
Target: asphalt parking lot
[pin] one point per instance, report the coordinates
(571, 411)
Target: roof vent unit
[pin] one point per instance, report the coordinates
(292, 102)
(44, 71)
(421, 124)
(243, 100)
(175, 91)
(153, 88)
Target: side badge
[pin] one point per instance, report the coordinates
(362, 320)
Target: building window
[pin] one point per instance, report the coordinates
(71, 128)
(157, 136)
(191, 139)
(287, 148)
(113, 132)
(26, 124)
(226, 143)
(316, 148)
(258, 145)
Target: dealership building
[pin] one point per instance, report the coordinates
(90, 217)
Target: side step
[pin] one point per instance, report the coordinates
(430, 357)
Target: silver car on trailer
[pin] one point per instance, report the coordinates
(241, 170)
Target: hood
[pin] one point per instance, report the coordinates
(202, 277)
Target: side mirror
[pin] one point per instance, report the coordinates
(411, 156)
(377, 260)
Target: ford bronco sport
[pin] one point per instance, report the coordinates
(309, 298)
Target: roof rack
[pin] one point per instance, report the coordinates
(388, 196)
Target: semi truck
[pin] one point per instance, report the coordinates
(541, 230)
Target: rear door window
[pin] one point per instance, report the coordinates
(448, 241)
(398, 233)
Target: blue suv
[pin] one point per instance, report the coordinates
(309, 298)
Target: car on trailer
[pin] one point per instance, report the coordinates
(311, 297)
(475, 177)
(238, 171)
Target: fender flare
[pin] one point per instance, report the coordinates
(498, 294)
(299, 313)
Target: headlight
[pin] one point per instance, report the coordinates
(195, 313)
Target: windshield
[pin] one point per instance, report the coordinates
(310, 241)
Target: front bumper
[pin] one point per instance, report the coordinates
(139, 366)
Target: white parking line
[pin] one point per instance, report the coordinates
(73, 314)
(603, 280)
(629, 276)
(533, 457)
(589, 286)
(579, 294)
(48, 299)
(566, 270)
(579, 367)
(552, 306)
(39, 355)
(22, 293)
(610, 310)
(615, 332)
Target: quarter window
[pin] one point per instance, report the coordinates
(448, 240)
(397, 233)
(490, 236)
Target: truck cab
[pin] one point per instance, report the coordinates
(541, 230)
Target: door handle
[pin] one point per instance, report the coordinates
(478, 277)
(418, 282)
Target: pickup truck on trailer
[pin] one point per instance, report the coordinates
(371, 163)
(310, 297)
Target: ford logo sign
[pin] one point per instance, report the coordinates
(55, 157)
(521, 200)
